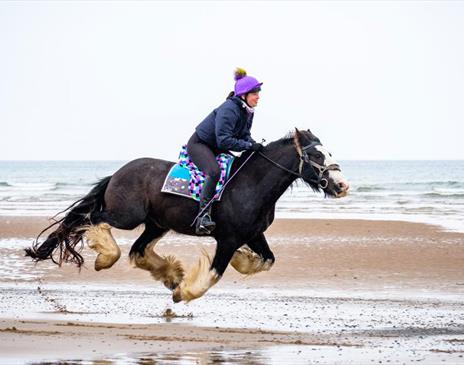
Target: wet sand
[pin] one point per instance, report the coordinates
(340, 290)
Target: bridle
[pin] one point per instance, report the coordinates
(318, 169)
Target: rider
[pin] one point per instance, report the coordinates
(226, 128)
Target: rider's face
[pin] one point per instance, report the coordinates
(252, 99)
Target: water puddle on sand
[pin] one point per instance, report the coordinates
(202, 357)
(283, 354)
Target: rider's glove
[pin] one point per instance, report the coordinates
(256, 147)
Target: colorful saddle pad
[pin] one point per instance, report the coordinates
(187, 180)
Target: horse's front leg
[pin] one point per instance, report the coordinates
(258, 257)
(203, 276)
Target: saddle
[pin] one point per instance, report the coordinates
(185, 179)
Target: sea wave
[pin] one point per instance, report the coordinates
(444, 195)
(31, 185)
(50, 186)
(368, 189)
(452, 183)
(410, 185)
(67, 185)
(411, 195)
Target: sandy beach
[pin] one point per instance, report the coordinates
(345, 118)
(340, 291)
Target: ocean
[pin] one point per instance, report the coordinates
(419, 191)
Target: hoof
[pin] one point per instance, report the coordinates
(176, 295)
(106, 261)
(247, 262)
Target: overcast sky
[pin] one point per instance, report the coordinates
(121, 80)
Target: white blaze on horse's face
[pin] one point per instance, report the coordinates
(337, 181)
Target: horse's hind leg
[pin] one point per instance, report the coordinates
(100, 239)
(165, 269)
(207, 273)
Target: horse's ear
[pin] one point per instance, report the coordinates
(296, 141)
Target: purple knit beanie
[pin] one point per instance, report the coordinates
(245, 84)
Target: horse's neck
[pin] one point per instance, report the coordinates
(272, 181)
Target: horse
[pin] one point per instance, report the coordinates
(132, 196)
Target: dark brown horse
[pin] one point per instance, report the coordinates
(132, 197)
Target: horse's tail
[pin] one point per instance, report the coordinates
(71, 229)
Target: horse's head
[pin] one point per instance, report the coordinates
(317, 166)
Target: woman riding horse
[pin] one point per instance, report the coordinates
(132, 197)
(226, 128)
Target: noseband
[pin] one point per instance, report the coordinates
(318, 170)
(321, 181)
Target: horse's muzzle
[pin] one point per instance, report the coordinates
(342, 189)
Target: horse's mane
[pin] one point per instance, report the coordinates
(284, 141)
(289, 139)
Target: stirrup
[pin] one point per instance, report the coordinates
(204, 225)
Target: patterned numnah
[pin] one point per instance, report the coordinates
(187, 180)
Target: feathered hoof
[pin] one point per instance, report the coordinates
(197, 281)
(247, 262)
(166, 269)
(173, 274)
(100, 239)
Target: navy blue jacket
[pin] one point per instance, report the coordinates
(227, 127)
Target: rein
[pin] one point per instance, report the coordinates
(280, 166)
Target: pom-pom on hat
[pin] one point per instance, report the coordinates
(245, 84)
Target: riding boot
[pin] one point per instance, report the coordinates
(205, 224)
